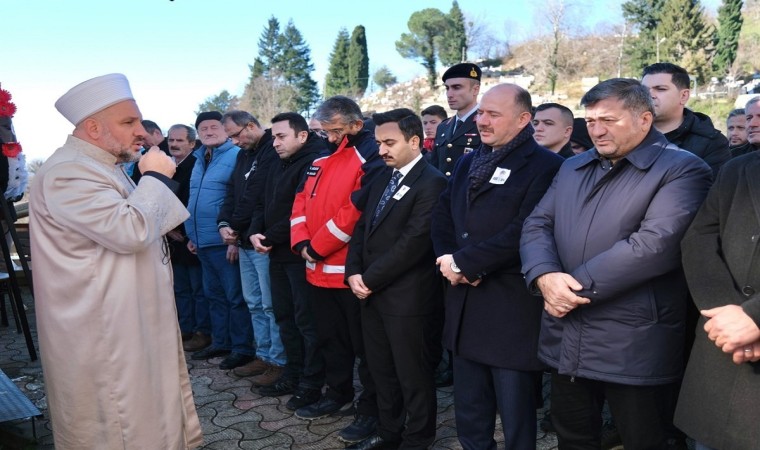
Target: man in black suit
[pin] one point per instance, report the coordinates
(458, 135)
(391, 268)
(492, 322)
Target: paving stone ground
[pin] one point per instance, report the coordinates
(232, 416)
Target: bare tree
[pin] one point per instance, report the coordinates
(266, 97)
(484, 42)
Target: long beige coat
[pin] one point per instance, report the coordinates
(114, 370)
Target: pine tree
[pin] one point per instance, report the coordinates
(689, 38)
(425, 30)
(453, 44)
(384, 77)
(270, 50)
(358, 62)
(222, 102)
(281, 73)
(729, 26)
(337, 78)
(644, 15)
(296, 68)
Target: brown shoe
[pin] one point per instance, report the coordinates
(269, 377)
(255, 367)
(199, 341)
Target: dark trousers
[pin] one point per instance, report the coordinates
(479, 391)
(340, 340)
(400, 356)
(640, 412)
(298, 329)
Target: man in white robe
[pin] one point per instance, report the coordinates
(114, 369)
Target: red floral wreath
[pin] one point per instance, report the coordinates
(7, 107)
(11, 149)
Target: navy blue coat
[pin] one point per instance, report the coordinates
(497, 322)
(618, 232)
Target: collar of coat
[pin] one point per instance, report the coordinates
(642, 157)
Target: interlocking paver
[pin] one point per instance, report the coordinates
(232, 415)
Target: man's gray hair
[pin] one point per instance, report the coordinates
(191, 136)
(346, 108)
(634, 95)
(752, 101)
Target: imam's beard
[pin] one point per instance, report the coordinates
(123, 154)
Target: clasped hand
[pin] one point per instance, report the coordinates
(558, 290)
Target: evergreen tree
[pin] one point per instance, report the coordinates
(337, 78)
(384, 78)
(270, 50)
(453, 44)
(358, 62)
(689, 39)
(222, 102)
(426, 27)
(729, 26)
(644, 16)
(296, 68)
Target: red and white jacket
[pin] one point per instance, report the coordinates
(324, 216)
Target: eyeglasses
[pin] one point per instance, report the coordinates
(235, 135)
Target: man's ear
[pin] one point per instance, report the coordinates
(92, 127)
(415, 142)
(685, 94)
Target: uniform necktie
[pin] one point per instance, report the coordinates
(457, 124)
(387, 194)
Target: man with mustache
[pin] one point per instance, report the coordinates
(492, 321)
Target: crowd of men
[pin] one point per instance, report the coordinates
(481, 249)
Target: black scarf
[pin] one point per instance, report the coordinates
(485, 160)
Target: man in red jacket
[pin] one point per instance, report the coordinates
(322, 222)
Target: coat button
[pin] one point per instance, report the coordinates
(448, 145)
(748, 291)
(448, 159)
(448, 174)
(465, 235)
(754, 238)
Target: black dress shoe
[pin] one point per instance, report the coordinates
(235, 360)
(209, 352)
(374, 442)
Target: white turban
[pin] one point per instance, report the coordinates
(91, 96)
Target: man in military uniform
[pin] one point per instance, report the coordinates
(458, 135)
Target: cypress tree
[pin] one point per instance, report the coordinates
(729, 26)
(358, 62)
(689, 39)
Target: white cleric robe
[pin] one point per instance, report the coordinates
(112, 359)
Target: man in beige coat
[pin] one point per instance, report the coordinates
(111, 350)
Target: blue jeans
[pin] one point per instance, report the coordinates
(231, 327)
(254, 275)
(192, 306)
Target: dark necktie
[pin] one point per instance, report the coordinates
(207, 156)
(457, 124)
(387, 194)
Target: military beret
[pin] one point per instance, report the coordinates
(464, 70)
(208, 115)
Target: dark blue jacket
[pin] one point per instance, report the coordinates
(617, 231)
(497, 322)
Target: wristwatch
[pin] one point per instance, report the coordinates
(455, 268)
